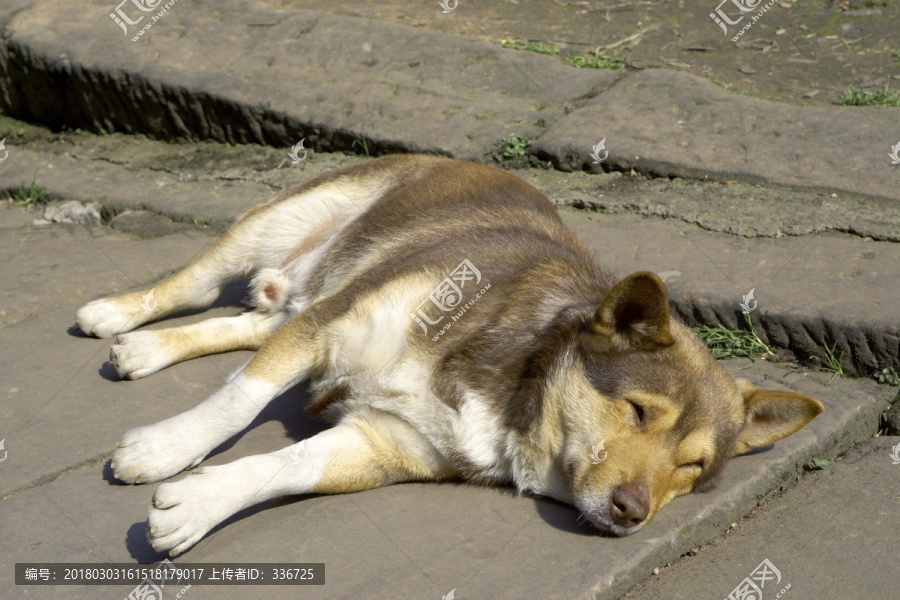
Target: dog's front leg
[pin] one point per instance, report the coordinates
(364, 451)
(158, 451)
(155, 452)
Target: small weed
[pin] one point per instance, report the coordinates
(514, 145)
(727, 343)
(606, 17)
(15, 133)
(519, 44)
(817, 464)
(896, 53)
(887, 375)
(30, 195)
(831, 363)
(860, 97)
(362, 143)
(599, 61)
(721, 83)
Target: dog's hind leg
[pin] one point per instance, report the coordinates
(141, 353)
(196, 286)
(366, 450)
(265, 237)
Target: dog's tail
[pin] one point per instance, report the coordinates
(269, 290)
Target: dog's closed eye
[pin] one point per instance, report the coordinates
(697, 464)
(639, 415)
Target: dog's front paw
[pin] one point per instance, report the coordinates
(182, 512)
(156, 452)
(138, 354)
(105, 318)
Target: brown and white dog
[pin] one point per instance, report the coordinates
(451, 327)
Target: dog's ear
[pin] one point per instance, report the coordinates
(773, 415)
(635, 314)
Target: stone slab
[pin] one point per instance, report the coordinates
(670, 123)
(239, 71)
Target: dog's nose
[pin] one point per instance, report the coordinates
(628, 505)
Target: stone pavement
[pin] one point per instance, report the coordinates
(813, 230)
(61, 504)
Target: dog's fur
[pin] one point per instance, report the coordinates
(546, 356)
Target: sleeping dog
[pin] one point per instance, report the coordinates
(450, 327)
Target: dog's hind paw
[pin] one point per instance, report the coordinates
(105, 318)
(138, 354)
(182, 512)
(156, 452)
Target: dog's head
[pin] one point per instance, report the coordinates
(647, 413)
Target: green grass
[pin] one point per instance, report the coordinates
(887, 375)
(729, 343)
(30, 195)
(598, 61)
(831, 363)
(514, 145)
(860, 97)
(519, 44)
(817, 464)
(363, 144)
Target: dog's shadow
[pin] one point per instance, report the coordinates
(564, 517)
